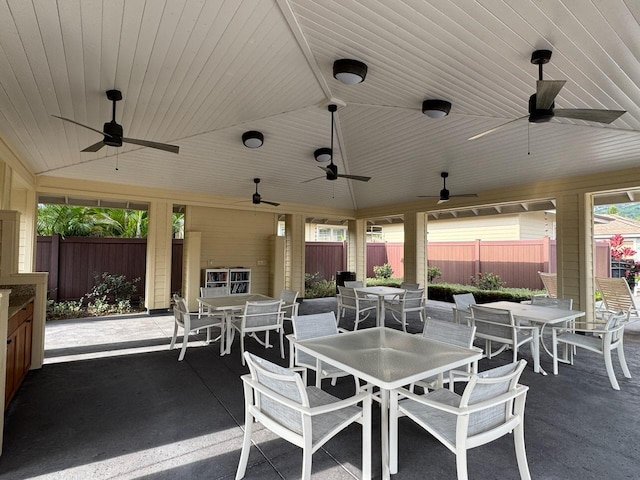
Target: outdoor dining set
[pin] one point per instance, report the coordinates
(431, 377)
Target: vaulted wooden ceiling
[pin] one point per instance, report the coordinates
(200, 73)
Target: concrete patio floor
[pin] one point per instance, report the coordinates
(113, 402)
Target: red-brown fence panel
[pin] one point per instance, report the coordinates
(325, 258)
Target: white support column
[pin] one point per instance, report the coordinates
(159, 245)
(295, 253)
(415, 249)
(191, 267)
(357, 249)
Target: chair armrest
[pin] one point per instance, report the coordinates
(339, 405)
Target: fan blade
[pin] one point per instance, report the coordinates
(312, 179)
(270, 203)
(487, 132)
(95, 147)
(355, 177)
(546, 92)
(590, 115)
(324, 169)
(81, 125)
(147, 143)
(442, 201)
(428, 196)
(465, 195)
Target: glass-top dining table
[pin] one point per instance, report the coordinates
(388, 359)
(228, 304)
(381, 293)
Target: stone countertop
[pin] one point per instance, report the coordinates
(17, 302)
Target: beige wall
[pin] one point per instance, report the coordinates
(233, 238)
(499, 227)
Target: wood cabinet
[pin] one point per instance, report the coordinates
(19, 341)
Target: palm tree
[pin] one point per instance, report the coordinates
(66, 220)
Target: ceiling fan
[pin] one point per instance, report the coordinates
(331, 170)
(257, 199)
(541, 103)
(112, 131)
(444, 193)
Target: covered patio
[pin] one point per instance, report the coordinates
(114, 403)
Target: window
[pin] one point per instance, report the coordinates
(331, 234)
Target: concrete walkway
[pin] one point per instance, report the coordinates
(113, 402)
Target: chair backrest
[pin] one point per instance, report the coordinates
(354, 284)
(485, 386)
(613, 322)
(347, 296)
(410, 286)
(616, 294)
(289, 297)
(562, 303)
(179, 309)
(412, 299)
(456, 334)
(313, 326)
(263, 313)
(213, 291)
(464, 300)
(494, 322)
(280, 381)
(550, 282)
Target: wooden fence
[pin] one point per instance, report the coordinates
(73, 263)
(516, 262)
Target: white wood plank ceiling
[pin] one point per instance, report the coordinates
(198, 73)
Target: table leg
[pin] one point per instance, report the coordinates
(228, 315)
(393, 432)
(384, 427)
(381, 312)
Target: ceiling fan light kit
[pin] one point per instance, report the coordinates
(322, 154)
(349, 71)
(436, 108)
(252, 139)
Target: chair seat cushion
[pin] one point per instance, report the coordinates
(325, 423)
(438, 421)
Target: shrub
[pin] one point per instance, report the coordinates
(317, 287)
(487, 281)
(383, 271)
(113, 288)
(383, 282)
(64, 309)
(432, 273)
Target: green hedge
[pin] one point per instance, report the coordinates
(444, 292)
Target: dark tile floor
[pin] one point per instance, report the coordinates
(112, 402)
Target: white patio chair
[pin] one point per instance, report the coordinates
(562, 303)
(354, 284)
(211, 292)
(617, 297)
(461, 311)
(498, 325)
(261, 316)
(460, 335)
(491, 406)
(314, 326)
(602, 341)
(359, 302)
(305, 416)
(289, 303)
(191, 322)
(407, 302)
(550, 282)
(410, 286)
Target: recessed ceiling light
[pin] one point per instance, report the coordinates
(322, 154)
(436, 108)
(252, 139)
(349, 71)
